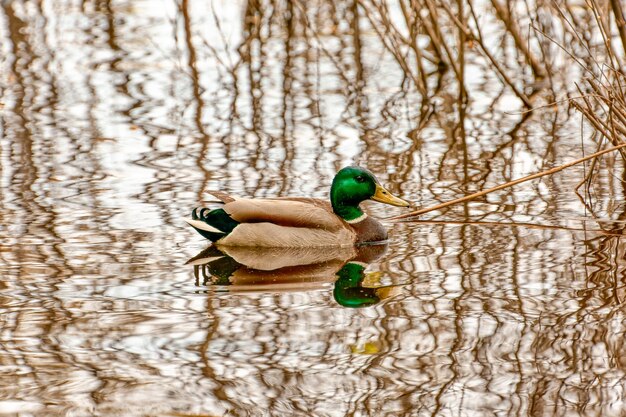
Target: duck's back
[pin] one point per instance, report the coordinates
(286, 222)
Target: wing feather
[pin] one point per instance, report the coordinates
(222, 196)
(308, 213)
(271, 235)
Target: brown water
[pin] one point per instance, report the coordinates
(118, 116)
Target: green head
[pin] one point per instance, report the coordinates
(351, 186)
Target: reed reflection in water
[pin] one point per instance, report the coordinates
(116, 117)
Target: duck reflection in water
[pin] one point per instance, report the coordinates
(243, 269)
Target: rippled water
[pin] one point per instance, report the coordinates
(118, 116)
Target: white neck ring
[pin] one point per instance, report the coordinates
(358, 219)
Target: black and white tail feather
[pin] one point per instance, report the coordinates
(213, 224)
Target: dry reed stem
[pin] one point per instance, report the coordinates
(587, 179)
(432, 10)
(413, 43)
(479, 40)
(392, 47)
(619, 21)
(515, 224)
(506, 185)
(593, 5)
(603, 127)
(521, 44)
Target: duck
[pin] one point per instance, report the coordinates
(298, 221)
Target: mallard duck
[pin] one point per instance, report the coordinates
(299, 222)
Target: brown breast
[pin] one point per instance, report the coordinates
(369, 230)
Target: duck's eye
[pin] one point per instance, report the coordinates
(359, 178)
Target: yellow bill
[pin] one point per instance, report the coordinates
(383, 196)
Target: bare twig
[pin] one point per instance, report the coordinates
(479, 39)
(521, 44)
(619, 21)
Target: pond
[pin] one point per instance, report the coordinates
(117, 117)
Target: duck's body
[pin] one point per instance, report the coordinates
(286, 222)
(298, 222)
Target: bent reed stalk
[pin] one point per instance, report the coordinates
(506, 185)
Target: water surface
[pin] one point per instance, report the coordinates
(118, 116)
